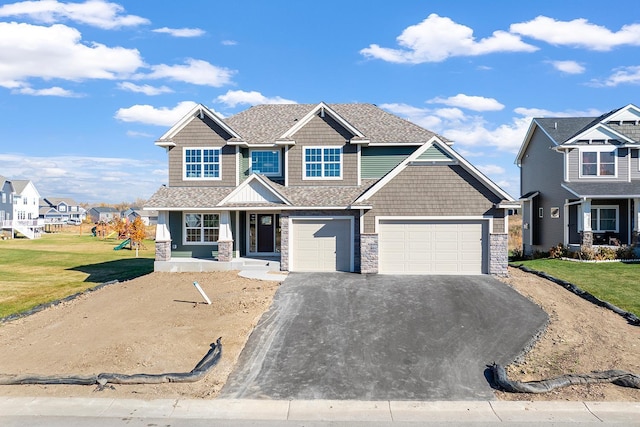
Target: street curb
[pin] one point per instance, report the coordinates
(326, 410)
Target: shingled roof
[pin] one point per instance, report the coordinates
(264, 124)
(303, 196)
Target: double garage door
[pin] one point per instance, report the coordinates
(321, 244)
(432, 247)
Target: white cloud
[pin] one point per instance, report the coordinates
(95, 179)
(234, 98)
(146, 89)
(181, 32)
(51, 91)
(195, 71)
(151, 115)
(95, 13)
(569, 67)
(622, 75)
(540, 112)
(229, 42)
(469, 102)
(577, 33)
(491, 169)
(29, 51)
(137, 134)
(437, 38)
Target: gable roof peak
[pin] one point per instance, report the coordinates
(200, 111)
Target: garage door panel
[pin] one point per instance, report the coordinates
(321, 245)
(432, 247)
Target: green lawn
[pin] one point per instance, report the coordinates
(33, 272)
(615, 282)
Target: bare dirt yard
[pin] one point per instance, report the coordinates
(158, 323)
(152, 324)
(581, 337)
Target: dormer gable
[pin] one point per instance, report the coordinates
(322, 109)
(600, 134)
(628, 114)
(254, 189)
(200, 112)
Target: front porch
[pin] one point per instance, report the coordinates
(602, 222)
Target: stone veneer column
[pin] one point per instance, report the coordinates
(284, 241)
(163, 250)
(498, 254)
(368, 253)
(225, 250)
(587, 239)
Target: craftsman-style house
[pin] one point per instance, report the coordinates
(326, 187)
(580, 181)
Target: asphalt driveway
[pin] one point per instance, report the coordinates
(375, 337)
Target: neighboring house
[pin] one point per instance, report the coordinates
(19, 208)
(25, 200)
(103, 214)
(65, 209)
(580, 181)
(148, 217)
(340, 187)
(6, 200)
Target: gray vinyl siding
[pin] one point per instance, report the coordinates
(542, 169)
(622, 168)
(433, 190)
(202, 133)
(376, 162)
(634, 164)
(322, 132)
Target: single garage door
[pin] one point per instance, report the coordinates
(321, 244)
(432, 247)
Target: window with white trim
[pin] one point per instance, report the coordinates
(201, 163)
(598, 163)
(322, 163)
(266, 162)
(604, 218)
(201, 228)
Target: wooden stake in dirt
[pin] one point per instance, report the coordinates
(206, 298)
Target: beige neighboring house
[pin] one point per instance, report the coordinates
(325, 187)
(23, 215)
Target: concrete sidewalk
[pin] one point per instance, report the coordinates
(385, 412)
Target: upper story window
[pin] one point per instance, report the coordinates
(62, 208)
(202, 163)
(201, 228)
(322, 163)
(266, 162)
(598, 163)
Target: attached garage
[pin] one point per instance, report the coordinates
(321, 244)
(433, 246)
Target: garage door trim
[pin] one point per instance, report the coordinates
(293, 219)
(489, 219)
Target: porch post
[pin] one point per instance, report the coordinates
(163, 237)
(587, 232)
(635, 238)
(225, 238)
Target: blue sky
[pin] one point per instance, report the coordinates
(87, 87)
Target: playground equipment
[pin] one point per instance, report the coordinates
(122, 245)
